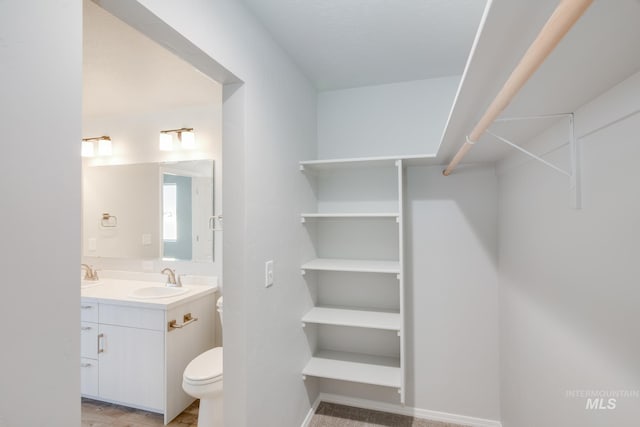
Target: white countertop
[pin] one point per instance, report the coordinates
(118, 291)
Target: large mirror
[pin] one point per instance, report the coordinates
(149, 211)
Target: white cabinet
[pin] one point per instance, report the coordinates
(129, 355)
(89, 377)
(89, 340)
(357, 276)
(132, 366)
(89, 348)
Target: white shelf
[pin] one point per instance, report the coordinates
(355, 318)
(366, 162)
(370, 215)
(381, 206)
(360, 368)
(353, 265)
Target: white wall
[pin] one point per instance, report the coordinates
(135, 140)
(131, 193)
(135, 136)
(40, 108)
(392, 119)
(265, 347)
(569, 293)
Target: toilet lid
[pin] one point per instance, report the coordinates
(207, 367)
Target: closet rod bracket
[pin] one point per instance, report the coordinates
(575, 187)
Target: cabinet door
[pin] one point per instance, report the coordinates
(132, 366)
(89, 377)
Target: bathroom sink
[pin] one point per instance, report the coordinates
(150, 292)
(84, 284)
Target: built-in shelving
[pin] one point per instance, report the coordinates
(352, 265)
(361, 368)
(354, 318)
(365, 162)
(349, 215)
(366, 193)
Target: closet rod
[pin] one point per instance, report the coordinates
(559, 23)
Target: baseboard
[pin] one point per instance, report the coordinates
(312, 411)
(402, 410)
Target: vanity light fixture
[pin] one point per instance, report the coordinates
(104, 146)
(186, 137)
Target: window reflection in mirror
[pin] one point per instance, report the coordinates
(169, 214)
(177, 217)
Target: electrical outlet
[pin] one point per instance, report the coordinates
(268, 273)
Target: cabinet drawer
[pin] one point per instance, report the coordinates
(89, 340)
(88, 377)
(133, 317)
(88, 311)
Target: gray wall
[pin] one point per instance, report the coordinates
(40, 109)
(269, 125)
(452, 291)
(569, 292)
(451, 309)
(385, 120)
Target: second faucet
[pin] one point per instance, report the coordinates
(171, 278)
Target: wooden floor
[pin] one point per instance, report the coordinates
(100, 414)
(332, 415)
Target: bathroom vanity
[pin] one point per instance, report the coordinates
(136, 342)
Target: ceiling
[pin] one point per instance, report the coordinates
(351, 43)
(348, 43)
(124, 72)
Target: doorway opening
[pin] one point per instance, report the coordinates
(142, 78)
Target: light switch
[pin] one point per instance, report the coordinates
(146, 239)
(92, 244)
(268, 273)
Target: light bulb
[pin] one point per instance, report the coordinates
(87, 149)
(105, 148)
(166, 141)
(188, 140)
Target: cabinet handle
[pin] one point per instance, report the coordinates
(186, 319)
(100, 347)
(86, 307)
(85, 365)
(85, 328)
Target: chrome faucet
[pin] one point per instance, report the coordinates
(89, 273)
(171, 278)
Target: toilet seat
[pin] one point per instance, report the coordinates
(204, 369)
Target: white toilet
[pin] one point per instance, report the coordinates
(202, 379)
